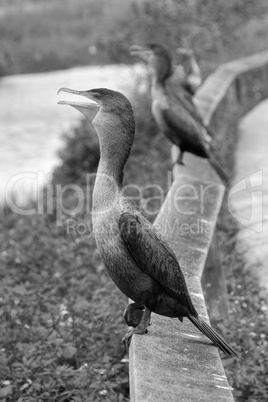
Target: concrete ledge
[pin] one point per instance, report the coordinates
(216, 86)
(164, 364)
(175, 361)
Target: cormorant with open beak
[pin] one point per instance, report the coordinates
(176, 114)
(137, 258)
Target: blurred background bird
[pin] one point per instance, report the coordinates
(173, 108)
(137, 258)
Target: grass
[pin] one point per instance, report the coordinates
(247, 323)
(61, 318)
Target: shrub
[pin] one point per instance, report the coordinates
(79, 156)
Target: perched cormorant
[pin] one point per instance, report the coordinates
(174, 112)
(193, 76)
(137, 258)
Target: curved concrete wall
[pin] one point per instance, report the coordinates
(175, 361)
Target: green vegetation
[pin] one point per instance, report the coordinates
(60, 315)
(40, 35)
(247, 323)
(43, 36)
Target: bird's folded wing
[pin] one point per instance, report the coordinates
(189, 130)
(153, 255)
(181, 95)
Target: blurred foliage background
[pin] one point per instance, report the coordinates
(40, 35)
(61, 316)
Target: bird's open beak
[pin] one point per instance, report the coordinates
(144, 52)
(88, 109)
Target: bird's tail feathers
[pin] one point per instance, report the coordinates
(213, 336)
(216, 165)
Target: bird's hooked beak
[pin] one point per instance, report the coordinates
(144, 52)
(88, 109)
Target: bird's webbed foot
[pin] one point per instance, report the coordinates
(133, 314)
(140, 329)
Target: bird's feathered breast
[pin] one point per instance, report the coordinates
(121, 266)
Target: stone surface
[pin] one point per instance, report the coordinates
(224, 77)
(174, 361)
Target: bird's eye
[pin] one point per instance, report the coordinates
(96, 95)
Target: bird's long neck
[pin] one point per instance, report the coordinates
(158, 81)
(162, 70)
(157, 88)
(110, 172)
(195, 69)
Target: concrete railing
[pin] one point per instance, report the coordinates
(174, 361)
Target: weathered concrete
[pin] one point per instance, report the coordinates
(173, 361)
(165, 362)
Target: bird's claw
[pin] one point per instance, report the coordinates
(126, 341)
(133, 315)
(127, 338)
(140, 329)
